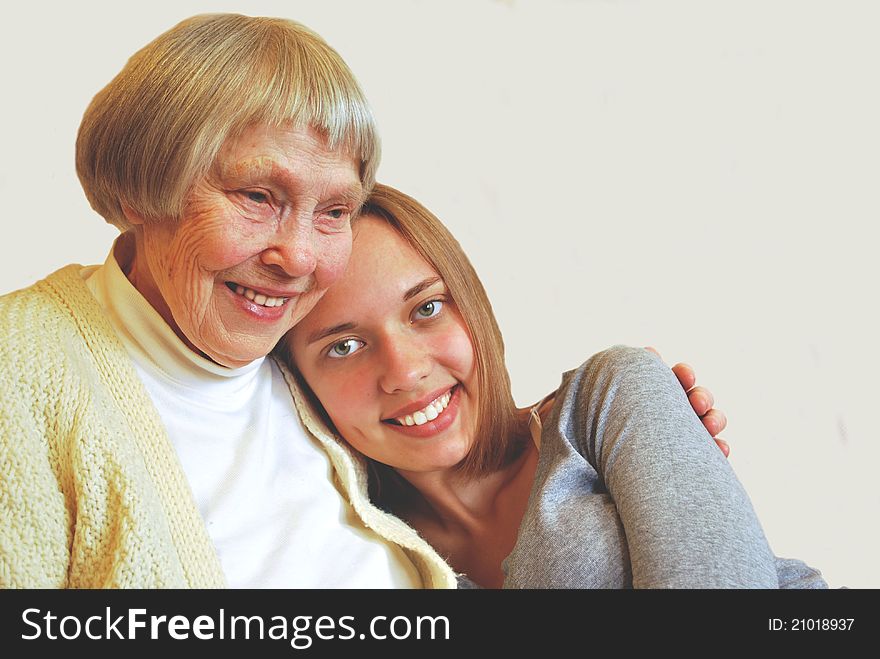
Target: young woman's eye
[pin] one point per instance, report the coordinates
(429, 309)
(345, 348)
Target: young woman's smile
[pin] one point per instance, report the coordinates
(389, 356)
(430, 419)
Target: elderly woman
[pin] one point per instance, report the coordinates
(146, 440)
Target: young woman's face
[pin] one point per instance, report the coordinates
(388, 355)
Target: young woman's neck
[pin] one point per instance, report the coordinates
(458, 501)
(473, 521)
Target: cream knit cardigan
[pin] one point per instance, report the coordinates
(91, 491)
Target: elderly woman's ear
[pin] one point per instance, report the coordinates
(134, 217)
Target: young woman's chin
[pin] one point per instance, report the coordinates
(443, 457)
(414, 456)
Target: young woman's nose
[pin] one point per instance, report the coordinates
(406, 364)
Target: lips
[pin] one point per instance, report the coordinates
(419, 404)
(440, 422)
(428, 413)
(262, 298)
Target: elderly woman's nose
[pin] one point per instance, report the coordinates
(294, 252)
(406, 364)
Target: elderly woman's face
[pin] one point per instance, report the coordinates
(260, 241)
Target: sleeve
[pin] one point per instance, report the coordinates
(687, 519)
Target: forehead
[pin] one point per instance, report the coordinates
(382, 268)
(379, 251)
(286, 152)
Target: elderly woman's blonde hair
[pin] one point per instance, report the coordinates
(156, 129)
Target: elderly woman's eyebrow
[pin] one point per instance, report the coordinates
(317, 335)
(354, 195)
(274, 171)
(263, 166)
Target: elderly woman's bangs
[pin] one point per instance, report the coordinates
(158, 126)
(285, 78)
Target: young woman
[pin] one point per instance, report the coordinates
(608, 482)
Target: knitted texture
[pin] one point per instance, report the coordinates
(91, 492)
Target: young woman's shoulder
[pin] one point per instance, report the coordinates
(620, 370)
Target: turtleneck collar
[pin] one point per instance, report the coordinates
(150, 341)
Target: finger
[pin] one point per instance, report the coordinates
(685, 375)
(701, 399)
(724, 446)
(715, 422)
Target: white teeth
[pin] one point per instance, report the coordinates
(430, 412)
(259, 298)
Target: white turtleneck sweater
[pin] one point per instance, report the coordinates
(262, 484)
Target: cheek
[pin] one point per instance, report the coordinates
(347, 398)
(168, 251)
(457, 353)
(335, 253)
(188, 271)
(218, 248)
(215, 237)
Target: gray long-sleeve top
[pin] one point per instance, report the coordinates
(630, 491)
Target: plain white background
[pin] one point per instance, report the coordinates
(696, 175)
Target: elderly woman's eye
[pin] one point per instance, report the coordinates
(429, 309)
(337, 213)
(256, 196)
(345, 348)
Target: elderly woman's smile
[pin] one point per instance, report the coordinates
(261, 298)
(231, 153)
(260, 239)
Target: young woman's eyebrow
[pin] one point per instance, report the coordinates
(317, 335)
(418, 288)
